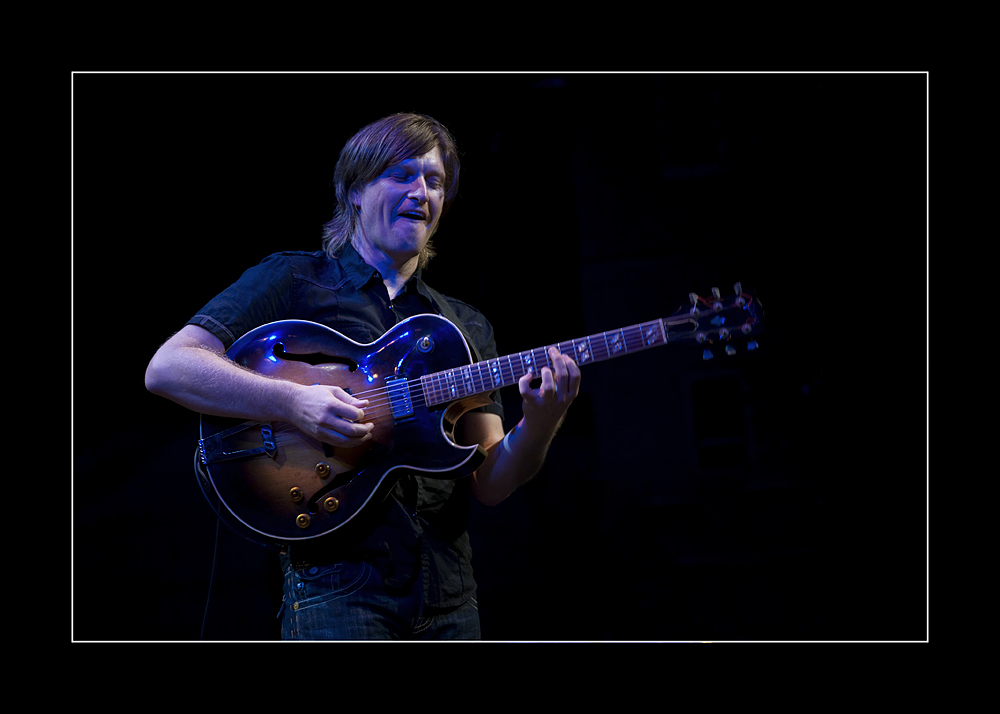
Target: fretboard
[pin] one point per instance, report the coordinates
(492, 374)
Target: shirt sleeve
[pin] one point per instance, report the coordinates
(260, 296)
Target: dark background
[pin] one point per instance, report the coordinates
(778, 494)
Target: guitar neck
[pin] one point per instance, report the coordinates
(493, 374)
(708, 320)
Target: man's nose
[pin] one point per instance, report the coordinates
(418, 190)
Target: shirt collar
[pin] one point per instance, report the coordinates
(360, 273)
(356, 268)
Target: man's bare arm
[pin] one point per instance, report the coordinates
(192, 370)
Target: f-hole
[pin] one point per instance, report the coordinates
(312, 358)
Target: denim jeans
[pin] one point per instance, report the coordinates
(349, 601)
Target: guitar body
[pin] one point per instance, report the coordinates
(283, 486)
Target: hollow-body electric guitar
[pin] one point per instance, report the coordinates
(277, 485)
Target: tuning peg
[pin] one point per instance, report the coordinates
(707, 354)
(694, 302)
(740, 300)
(717, 305)
(752, 345)
(730, 350)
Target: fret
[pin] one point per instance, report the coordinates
(541, 358)
(541, 355)
(427, 381)
(616, 343)
(477, 378)
(439, 388)
(467, 384)
(495, 374)
(633, 338)
(527, 362)
(652, 333)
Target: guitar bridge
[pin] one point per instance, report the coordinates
(212, 448)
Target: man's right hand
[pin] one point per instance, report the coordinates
(191, 369)
(329, 414)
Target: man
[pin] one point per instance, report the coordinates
(409, 574)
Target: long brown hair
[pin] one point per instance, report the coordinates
(371, 151)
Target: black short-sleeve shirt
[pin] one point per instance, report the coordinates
(421, 528)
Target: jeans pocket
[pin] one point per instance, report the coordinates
(317, 585)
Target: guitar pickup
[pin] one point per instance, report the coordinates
(399, 398)
(213, 449)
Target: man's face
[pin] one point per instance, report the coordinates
(400, 209)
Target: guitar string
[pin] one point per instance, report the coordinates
(380, 405)
(381, 401)
(380, 397)
(627, 333)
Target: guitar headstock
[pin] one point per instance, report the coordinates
(717, 321)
